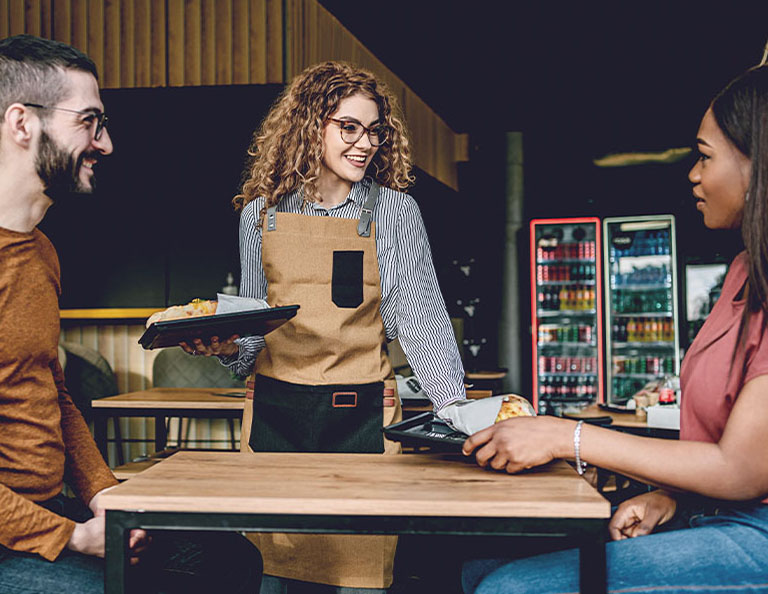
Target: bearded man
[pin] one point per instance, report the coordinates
(52, 134)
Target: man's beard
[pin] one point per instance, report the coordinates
(59, 171)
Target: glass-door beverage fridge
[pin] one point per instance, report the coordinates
(566, 314)
(641, 305)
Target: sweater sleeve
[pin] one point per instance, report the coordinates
(86, 471)
(29, 528)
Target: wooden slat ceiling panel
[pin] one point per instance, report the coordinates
(144, 43)
(193, 43)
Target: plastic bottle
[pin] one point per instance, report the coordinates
(667, 393)
(631, 334)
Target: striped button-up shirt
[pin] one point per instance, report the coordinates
(412, 307)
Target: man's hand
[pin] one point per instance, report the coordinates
(88, 537)
(520, 443)
(642, 515)
(137, 543)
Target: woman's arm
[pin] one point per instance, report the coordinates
(423, 326)
(736, 468)
(253, 283)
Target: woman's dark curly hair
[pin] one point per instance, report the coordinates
(287, 150)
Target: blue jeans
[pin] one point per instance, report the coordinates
(197, 562)
(723, 550)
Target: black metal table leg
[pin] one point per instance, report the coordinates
(592, 569)
(116, 541)
(161, 433)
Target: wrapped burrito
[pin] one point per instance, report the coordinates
(470, 416)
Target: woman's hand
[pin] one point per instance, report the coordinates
(213, 348)
(521, 443)
(642, 514)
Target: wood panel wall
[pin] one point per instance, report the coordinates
(156, 43)
(153, 43)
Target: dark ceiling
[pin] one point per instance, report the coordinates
(603, 76)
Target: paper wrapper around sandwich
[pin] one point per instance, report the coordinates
(470, 416)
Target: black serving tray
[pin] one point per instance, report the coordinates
(426, 430)
(244, 323)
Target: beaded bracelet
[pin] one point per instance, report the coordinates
(580, 466)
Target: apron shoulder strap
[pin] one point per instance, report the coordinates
(271, 218)
(364, 226)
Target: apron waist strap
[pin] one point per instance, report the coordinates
(342, 395)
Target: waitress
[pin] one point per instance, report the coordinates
(325, 225)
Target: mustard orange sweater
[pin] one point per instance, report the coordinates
(43, 436)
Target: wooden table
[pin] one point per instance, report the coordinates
(355, 493)
(161, 403)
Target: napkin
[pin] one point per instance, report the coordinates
(234, 304)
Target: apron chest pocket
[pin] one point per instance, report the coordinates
(347, 279)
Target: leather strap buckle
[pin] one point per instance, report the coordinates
(344, 400)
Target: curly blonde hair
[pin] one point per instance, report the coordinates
(286, 152)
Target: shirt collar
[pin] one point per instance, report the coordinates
(357, 196)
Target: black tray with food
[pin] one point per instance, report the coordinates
(426, 430)
(259, 322)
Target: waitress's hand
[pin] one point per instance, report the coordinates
(226, 348)
(521, 443)
(642, 515)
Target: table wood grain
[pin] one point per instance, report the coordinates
(175, 398)
(362, 484)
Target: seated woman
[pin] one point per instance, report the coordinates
(715, 479)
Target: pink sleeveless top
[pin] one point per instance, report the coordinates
(709, 382)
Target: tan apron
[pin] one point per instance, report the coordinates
(326, 344)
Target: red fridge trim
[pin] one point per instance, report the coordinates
(598, 301)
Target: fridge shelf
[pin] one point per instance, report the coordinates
(644, 314)
(642, 286)
(668, 344)
(568, 374)
(570, 344)
(553, 313)
(567, 399)
(561, 283)
(567, 261)
(645, 376)
(641, 259)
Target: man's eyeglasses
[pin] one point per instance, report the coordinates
(90, 117)
(352, 131)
